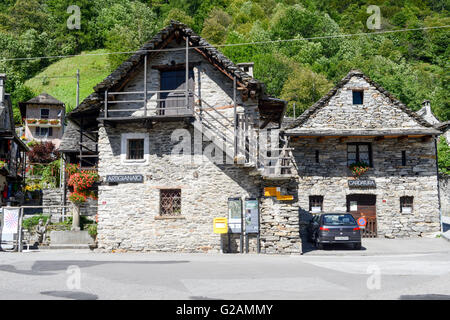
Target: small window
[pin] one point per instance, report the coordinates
(170, 202)
(406, 204)
(403, 158)
(315, 204)
(44, 132)
(358, 96)
(45, 113)
(135, 149)
(359, 152)
(317, 156)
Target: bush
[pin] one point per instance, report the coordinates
(30, 223)
(44, 152)
(92, 229)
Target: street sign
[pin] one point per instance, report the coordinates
(220, 225)
(362, 222)
(251, 215)
(235, 215)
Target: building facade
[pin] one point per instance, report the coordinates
(173, 157)
(12, 152)
(360, 122)
(43, 119)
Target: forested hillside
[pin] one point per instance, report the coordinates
(413, 65)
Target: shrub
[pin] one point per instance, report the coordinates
(29, 223)
(92, 229)
(43, 152)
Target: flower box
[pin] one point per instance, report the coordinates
(43, 121)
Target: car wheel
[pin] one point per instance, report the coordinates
(318, 244)
(357, 246)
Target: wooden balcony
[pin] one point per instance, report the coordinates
(161, 105)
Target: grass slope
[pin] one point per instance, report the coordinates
(93, 69)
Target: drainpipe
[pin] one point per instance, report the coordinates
(438, 184)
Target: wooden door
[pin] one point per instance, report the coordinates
(174, 103)
(364, 205)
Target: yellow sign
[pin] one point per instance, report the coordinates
(220, 225)
(275, 192)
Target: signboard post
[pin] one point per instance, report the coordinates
(235, 223)
(251, 216)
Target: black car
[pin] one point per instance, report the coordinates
(334, 228)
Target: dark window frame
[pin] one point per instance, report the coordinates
(358, 144)
(38, 132)
(47, 116)
(407, 201)
(138, 152)
(317, 156)
(403, 158)
(316, 201)
(170, 202)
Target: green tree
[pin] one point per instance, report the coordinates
(304, 87)
(443, 156)
(178, 15)
(216, 25)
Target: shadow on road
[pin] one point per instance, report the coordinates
(310, 247)
(75, 295)
(45, 268)
(425, 297)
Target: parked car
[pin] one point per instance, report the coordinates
(329, 228)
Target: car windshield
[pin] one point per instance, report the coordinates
(338, 220)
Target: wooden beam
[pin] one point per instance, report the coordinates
(426, 138)
(380, 138)
(342, 139)
(321, 139)
(402, 138)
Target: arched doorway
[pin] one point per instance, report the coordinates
(364, 205)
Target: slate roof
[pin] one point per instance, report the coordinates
(324, 100)
(71, 138)
(43, 98)
(94, 100)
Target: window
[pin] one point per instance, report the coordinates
(317, 156)
(359, 152)
(358, 96)
(44, 132)
(315, 204)
(135, 149)
(170, 202)
(45, 113)
(403, 158)
(406, 204)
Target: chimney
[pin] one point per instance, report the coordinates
(426, 104)
(2, 87)
(247, 67)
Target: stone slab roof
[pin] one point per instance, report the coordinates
(159, 41)
(42, 99)
(297, 124)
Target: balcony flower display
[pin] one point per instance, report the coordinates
(54, 122)
(31, 121)
(2, 164)
(43, 121)
(358, 168)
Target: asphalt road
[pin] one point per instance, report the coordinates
(386, 269)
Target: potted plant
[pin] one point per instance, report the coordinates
(43, 121)
(54, 122)
(92, 230)
(31, 121)
(358, 168)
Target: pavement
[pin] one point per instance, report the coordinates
(385, 269)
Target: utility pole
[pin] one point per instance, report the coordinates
(78, 87)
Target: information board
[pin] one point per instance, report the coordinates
(235, 215)
(251, 215)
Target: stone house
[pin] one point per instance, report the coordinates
(12, 152)
(172, 157)
(43, 118)
(358, 121)
(171, 198)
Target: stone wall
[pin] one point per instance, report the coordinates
(129, 214)
(330, 177)
(444, 183)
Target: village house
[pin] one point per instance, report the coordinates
(358, 121)
(43, 119)
(172, 157)
(12, 152)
